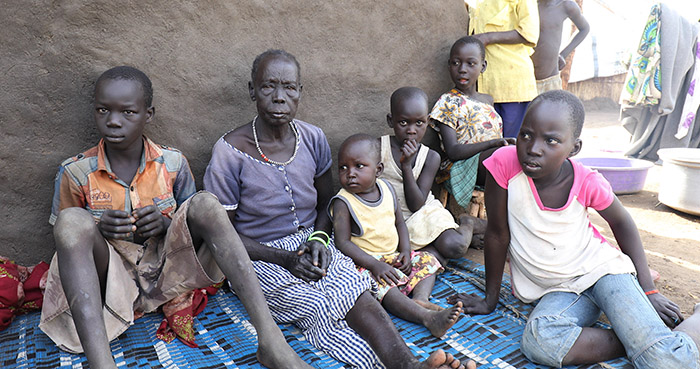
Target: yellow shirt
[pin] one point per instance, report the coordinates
(509, 75)
(374, 223)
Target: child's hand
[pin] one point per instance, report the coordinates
(403, 262)
(408, 151)
(498, 142)
(150, 222)
(562, 62)
(384, 273)
(669, 312)
(116, 224)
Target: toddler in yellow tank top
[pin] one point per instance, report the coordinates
(369, 228)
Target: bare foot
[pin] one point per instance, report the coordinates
(440, 321)
(442, 360)
(280, 355)
(429, 305)
(478, 224)
(477, 241)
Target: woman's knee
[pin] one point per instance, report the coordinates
(547, 339)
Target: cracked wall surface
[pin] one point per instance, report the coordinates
(198, 54)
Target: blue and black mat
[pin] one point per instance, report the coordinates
(227, 339)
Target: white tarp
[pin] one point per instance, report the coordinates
(616, 28)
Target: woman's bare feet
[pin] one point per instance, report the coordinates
(279, 355)
(429, 305)
(440, 321)
(442, 360)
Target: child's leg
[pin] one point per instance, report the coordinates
(371, 322)
(421, 293)
(454, 243)
(438, 322)
(83, 259)
(649, 343)
(556, 332)
(209, 223)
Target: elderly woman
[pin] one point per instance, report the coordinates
(272, 175)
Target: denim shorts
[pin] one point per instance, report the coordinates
(557, 320)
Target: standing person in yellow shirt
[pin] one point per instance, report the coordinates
(509, 29)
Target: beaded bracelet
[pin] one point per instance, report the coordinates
(651, 292)
(314, 237)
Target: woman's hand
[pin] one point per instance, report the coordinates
(384, 273)
(309, 262)
(402, 262)
(669, 312)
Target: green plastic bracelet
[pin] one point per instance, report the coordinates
(312, 238)
(317, 233)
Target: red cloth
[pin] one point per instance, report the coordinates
(180, 312)
(21, 289)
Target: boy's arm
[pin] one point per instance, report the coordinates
(496, 239)
(416, 189)
(403, 260)
(627, 236)
(526, 30)
(342, 232)
(574, 13)
(502, 37)
(457, 151)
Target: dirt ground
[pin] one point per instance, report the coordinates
(671, 238)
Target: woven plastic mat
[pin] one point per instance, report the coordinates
(227, 339)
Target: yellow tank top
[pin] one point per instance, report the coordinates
(374, 224)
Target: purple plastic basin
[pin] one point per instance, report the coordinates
(625, 175)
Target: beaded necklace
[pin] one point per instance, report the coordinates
(296, 145)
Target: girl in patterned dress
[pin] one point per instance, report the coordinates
(469, 127)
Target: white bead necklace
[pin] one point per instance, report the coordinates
(296, 145)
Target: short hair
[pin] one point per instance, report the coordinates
(373, 142)
(273, 52)
(128, 73)
(577, 113)
(470, 40)
(404, 93)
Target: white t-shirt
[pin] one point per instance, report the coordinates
(555, 249)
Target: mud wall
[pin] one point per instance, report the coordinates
(198, 54)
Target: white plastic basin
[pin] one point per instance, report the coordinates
(680, 179)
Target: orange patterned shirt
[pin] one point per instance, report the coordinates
(87, 181)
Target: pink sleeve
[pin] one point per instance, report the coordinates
(503, 165)
(596, 191)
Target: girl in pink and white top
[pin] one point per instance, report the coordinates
(537, 201)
